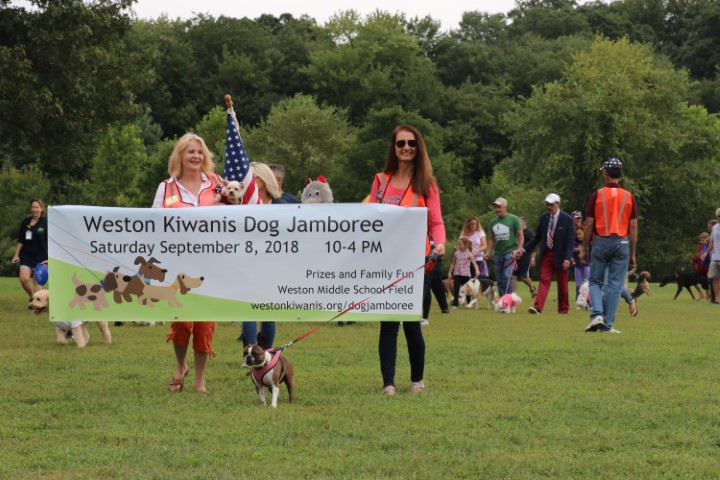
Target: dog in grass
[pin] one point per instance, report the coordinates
(40, 302)
(449, 285)
(269, 368)
(508, 303)
(583, 299)
(684, 279)
(475, 288)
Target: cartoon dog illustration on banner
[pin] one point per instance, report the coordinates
(124, 287)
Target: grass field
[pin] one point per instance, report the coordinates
(517, 397)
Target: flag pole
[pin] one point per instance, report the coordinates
(228, 101)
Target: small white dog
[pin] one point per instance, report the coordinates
(583, 300)
(233, 192)
(508, 303)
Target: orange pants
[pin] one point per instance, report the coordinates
(202, 333)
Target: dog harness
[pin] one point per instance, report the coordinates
(259, 373)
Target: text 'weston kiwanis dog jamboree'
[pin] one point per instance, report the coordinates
(281, 263)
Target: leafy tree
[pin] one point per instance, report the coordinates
(116, 168)
(154, 171)
(173, 91)
(695, 39)
(306, 139)
(620, 99)
(371, 65)
(547, 18)
(476, 132)
(66, 74)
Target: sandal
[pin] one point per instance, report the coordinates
(177, 384)
(417, 387)
(633, 308)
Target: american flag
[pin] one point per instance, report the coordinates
(237, 163)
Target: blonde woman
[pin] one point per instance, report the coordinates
(473, 231)
(192, 183)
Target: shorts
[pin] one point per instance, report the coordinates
(522, 270)
(202, 333)
(25, 263)
(714, 269)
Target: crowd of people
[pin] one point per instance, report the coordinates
(601, 248)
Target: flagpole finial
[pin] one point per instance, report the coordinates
(228, 101)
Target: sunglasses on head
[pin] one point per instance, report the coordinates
(410, 143)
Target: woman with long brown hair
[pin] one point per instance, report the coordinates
(407, 180)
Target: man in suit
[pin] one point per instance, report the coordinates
(555, 234)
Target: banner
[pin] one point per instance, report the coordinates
(237, 263)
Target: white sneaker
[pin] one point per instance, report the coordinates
(597, 322)
(612, 330)
(424, 322)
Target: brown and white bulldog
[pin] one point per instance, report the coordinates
(269, 368)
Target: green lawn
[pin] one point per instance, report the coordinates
(520, 396)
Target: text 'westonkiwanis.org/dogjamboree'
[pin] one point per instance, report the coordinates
(230, 263)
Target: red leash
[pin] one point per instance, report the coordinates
(427, 266)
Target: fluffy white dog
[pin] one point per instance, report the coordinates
(508, 303)
(233, 192)
(583, 300)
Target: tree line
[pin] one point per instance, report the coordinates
(515, 105)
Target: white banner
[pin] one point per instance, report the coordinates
(237, 263)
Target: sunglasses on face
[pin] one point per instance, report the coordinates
(410, 143)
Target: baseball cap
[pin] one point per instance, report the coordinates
(576, 214)
(552, 198)
(611, 162)
(500, 202)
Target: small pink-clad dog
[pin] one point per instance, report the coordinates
(507, 303)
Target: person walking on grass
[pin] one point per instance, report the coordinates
(407, 180)
(506, 239)
(611, 224)
(713, 251)
(556, 237)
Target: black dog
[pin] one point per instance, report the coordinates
(684, 279)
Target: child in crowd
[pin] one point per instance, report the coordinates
(582, 269)
(459, 269)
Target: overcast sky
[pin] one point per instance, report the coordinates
(449, 12)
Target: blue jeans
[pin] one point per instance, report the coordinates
(504, 266)
(610, 256)
(250, 333)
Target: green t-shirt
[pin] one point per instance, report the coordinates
(505, 232)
